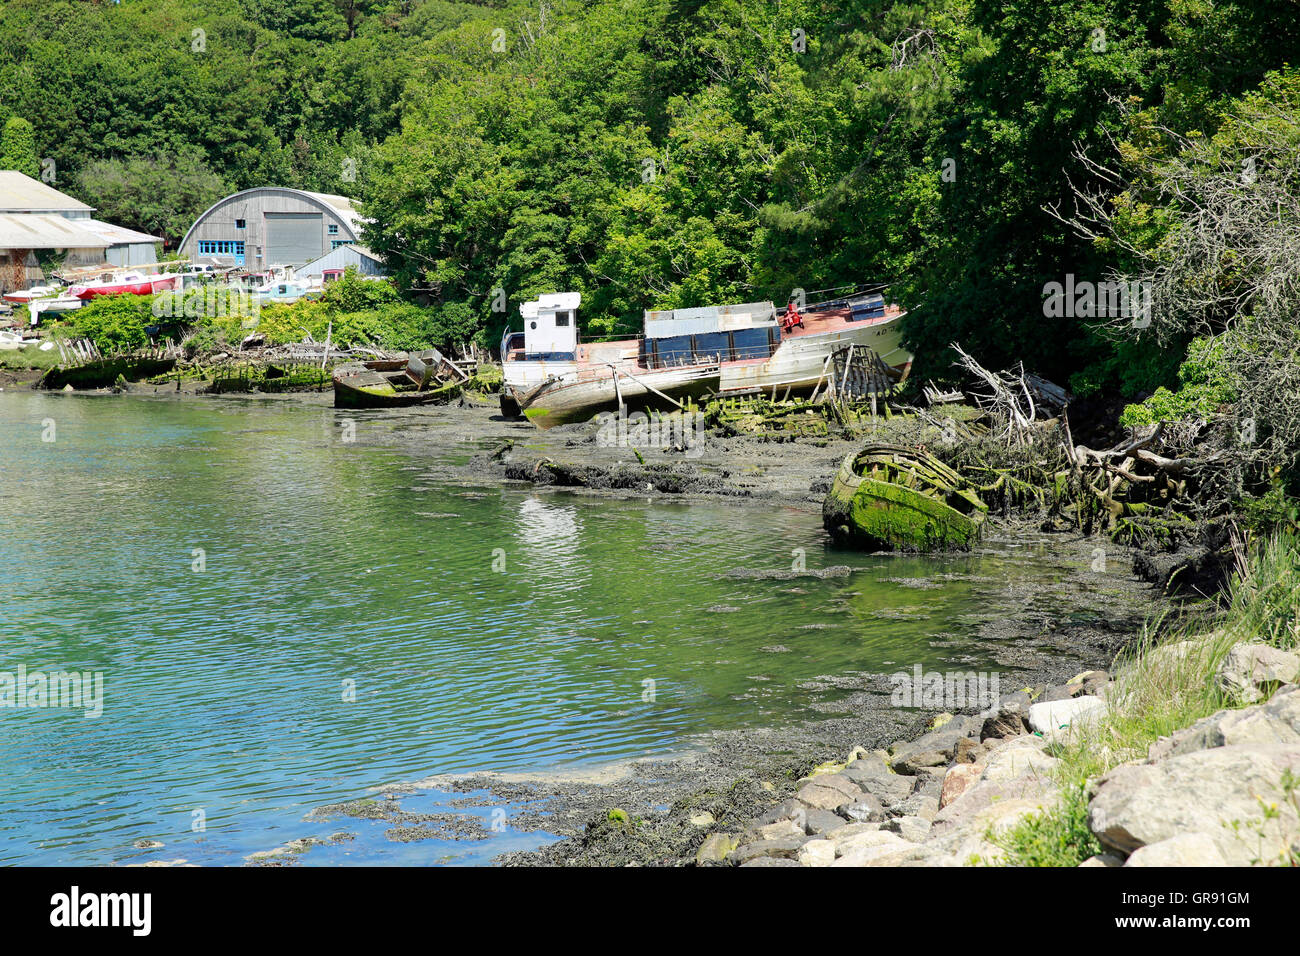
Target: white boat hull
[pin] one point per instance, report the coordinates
(800, 361)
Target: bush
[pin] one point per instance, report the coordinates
(1206, 386)
(114, 323)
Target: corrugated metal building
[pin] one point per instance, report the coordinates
(272, 226)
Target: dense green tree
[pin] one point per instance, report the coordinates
(161, 195)
(18, 147)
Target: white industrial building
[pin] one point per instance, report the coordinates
(35, 217)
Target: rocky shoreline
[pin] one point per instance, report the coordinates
(1219, 793)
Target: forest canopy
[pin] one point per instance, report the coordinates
(667, 153)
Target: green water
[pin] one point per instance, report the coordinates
(357, 622)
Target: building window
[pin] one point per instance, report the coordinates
(334, 230)
(221, 247)
(562, 320)
(240, 224)
(335, 243)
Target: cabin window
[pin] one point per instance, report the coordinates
(334, 230)
(335, 243)
(241, 224)
(562, 320)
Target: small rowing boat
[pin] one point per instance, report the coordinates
(424, 379)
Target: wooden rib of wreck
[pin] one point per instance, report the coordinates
(85, 367)
(887, 497)
(731, 350)
(424, 379)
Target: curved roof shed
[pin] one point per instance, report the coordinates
(272, 226)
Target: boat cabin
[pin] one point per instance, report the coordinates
(550, 330)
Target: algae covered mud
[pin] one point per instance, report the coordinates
(315, 627)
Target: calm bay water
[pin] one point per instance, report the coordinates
(482, 628)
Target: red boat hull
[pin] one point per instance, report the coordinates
(148, 287)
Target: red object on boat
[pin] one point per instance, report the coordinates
(792, 318)
(132, 283)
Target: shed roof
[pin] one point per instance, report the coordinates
(20, 193)
(47, 231)
(117, 235)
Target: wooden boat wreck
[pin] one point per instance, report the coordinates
(104, 372)
(424, 379)
(887, 497)
(551, 377)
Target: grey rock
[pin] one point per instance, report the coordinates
(1250, 672)
(1220, 792)
(715, 847)
(917, 805)
(865, 810)
(912, 829)
(1010, 720)
(821, 822)
(818, 797)
(968, 750)
(1276, 722)
(784, 810)
(936, 748)
(879, 781)
(1186, 849)
(1060, 692)
(770, 861)
(788, 848)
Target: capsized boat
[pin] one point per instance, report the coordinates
(125, 283)
(888, 497)
(427, 378)
(552, 378)
(26, 296)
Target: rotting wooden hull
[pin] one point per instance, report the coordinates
(928, 508)
(577, 399)
(363, 385)
(103, 373)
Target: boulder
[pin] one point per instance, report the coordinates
(968, 750)
(817, 853)
(873, 777)
(936, 748)
(817, 797)
(788, 848)
(1186, 849)
(1007, 722)
(780, 830)
(1221, 792)
(1053, 716)
(866, 810)
(1016, 772)
(1251, 672)
(1276, 722)
(917, 805)
(715, 847)
(911, 829)
(770, 861)
(1104, 859)
(1060, 692)
(821, 821)
(959, 777)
